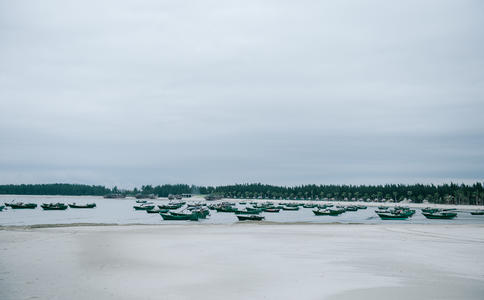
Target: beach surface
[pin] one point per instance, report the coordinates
(243, 261)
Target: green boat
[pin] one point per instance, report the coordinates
(21, 205)
(247, 212)
(309, 205)
(2, 207)
(250, 218)
(54, 206)
(272, 210)
(393, 215)
(170, 206)
(477, 213)
(430, 210)
(291, 208)
(328, 212)
(157, 211)
(201, 213)
(179, 217)
(362, 207)
(143, 207)
(89, 205)
(351, 208)
(440, 215)
(226, 209)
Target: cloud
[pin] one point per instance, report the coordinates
(207, 92)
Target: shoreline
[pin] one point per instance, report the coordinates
(245, 223)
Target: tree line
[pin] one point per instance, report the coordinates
(444, 193)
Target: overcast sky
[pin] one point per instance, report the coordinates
(221, 92)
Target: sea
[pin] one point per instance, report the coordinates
(121, 211)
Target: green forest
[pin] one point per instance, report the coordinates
(445, 193)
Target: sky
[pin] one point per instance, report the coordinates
(219, 92)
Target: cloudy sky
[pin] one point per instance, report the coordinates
(221, 92)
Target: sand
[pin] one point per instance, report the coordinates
(243, 261)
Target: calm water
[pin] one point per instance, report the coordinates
(120, 211)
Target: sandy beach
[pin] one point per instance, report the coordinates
(243, 261)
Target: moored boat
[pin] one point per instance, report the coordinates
(170, 206)
(179, 217)
(143, 207)
(247, 212)
(226, 209)
(390, 215)
(157, 211)
(477, 212)
(21, 205)
(440, 215)
(89, 205)
(250, 218)
(290, 208)
(2, 207)
(54, 206)
(328, 212)
(272, 210)
(430, 210)
(309, 205)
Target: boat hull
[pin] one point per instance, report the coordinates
(82, 206)
(180, 217)
(250, 218)
(446, 216)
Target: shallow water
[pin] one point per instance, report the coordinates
(120, 211)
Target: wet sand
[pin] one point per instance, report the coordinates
(243, 261)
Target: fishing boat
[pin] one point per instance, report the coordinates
(440, 215)
(250, 218)
(157, 211)
(247, 212)
(393, 215)
(226, 209)
(243, 203)
(141, 201)
(21, 205)
(170, 206)
(179, 217)
(290, 208)
(89, 205)
(272, 210)
(202, 213)
(328, 212)
(143, 207)
(54, 206)
(2, 207)
(477, 212)
(430, 210)
(351, 208)
(309, 205)
(362, 207)
(198, 204)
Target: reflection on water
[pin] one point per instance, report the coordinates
(120, 211)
